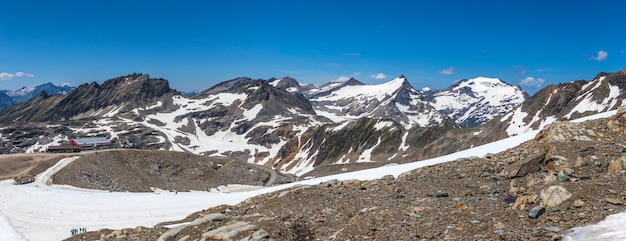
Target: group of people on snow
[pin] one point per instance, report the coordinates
(78, 231)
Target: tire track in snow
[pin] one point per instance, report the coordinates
(45, 178)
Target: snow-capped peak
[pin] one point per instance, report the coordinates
(21, 92)
(379, 91)
(476, 101)
(274, 82)
(482, 84)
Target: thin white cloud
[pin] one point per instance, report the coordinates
(448, 71)
(356, 73)
(351, 54)
(341, 79)
(378, 76)
(8, 76)
(21, 74)
(602, 55)
(532, 82)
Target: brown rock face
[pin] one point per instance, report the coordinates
(618, 122)
(615, 167)
(525, 166)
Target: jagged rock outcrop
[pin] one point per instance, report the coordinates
(115, 95)
(92, 100)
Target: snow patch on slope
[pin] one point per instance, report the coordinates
(379, 92)
(588, 104)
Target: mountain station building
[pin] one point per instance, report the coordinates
(92, 143)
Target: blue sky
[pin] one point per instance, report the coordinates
(196, 44)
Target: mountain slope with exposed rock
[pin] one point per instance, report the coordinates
(92, 100)
(396, 100)
(606, 91)
(538, 190)
(474, 102)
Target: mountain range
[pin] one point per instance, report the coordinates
(8, 97)
(302, 129)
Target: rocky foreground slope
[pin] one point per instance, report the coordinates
(571, 174)
(143, 171)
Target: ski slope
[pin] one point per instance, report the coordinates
(40, 212)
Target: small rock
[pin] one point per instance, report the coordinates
(441, 194)
(597, 163)
(388, 178)
(579, 203)
(474, 221)
(552, 229)
(536, 212)
(413, 214)
(615, 167)
(563, 178)
(568, 171)
(520, 202)
(500, 233)
(554, 195)
(499, 226)
(613, 201)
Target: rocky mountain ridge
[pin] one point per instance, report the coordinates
(566, 101)
(253, 121)
(467, 103)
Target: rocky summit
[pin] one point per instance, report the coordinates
(569, 175)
